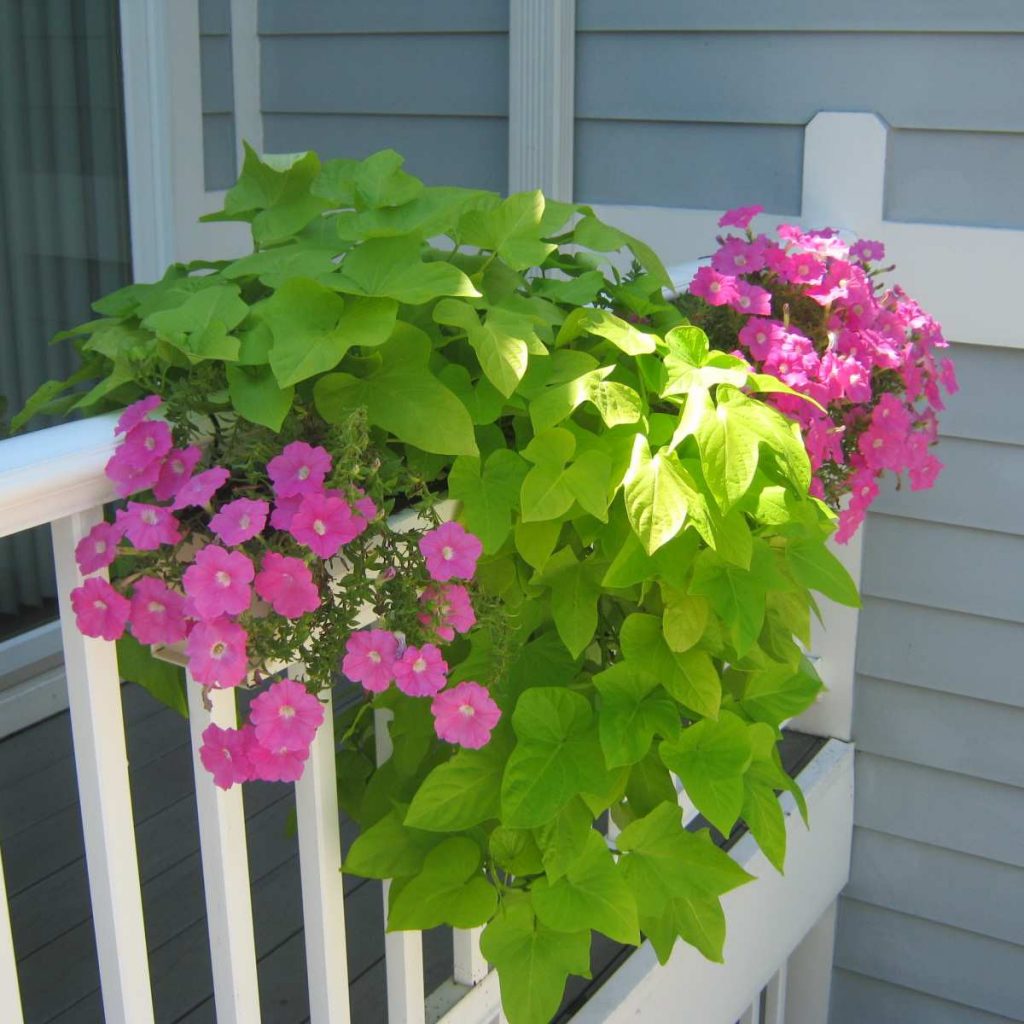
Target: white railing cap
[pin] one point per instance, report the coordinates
(55, 472)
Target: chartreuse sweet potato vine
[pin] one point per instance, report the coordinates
(649, 543)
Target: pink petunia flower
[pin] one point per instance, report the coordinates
(738, 256)
(100, 611)
(127, 476)
(300, 469)
(739, 217)
(136, 413)
(714, 288)
(325, 522)
(273, 765)
(217, 654)
(867, 251)
(286, 716)
(158, 613)
(750, 298)
(199, 489)
(225, 755)
(925, 474)
(450, 552)
(175, 470)
(421, 671)
(364, 506)
(451, 610)
(466, 714)
(148, 526)
(218, 582)
(146, 441)
(370, 659)
(283, 511)
(287, 584)
(240, 520)
(98, 548)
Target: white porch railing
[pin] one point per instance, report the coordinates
(779, 927)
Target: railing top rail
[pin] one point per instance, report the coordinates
(54, 472)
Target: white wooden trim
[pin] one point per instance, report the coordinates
(775, 997)
(10, 996)
(809, 973)
(225, 869)
(101, 761)
(245, 76)
(541, 59)
(33, 700)
(766, 919)
(752, 1014)
(323, 890)
(470, 967)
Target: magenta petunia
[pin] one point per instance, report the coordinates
(450, 610)
(364, 506)
(158, 613)
(218, 582)
(286, 716)
(752, 299)
(739, 217)
(867, 251)
(175, 471)
(466, 714)
(287, 584)
(450, 552)
(98, 548)
(240, 520)
(100, 611)
(421, 671)
(136, 413)
(199, 489)
(738, 256)
(325, 522)
(370, 658)
(273, 765)
(127, 476)
(225, 755)
(217, 654)
(300, 469)
(283, 510)
(148, 526)
(145, 442)
(714, 288)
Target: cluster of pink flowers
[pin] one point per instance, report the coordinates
(812, 311)
(465, 714)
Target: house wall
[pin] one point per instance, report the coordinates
(707, 109)
(218, 94)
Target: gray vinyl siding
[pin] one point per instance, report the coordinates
(685, 104)
(429, 80)
(218, 98)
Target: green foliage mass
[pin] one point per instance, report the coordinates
(646, 524)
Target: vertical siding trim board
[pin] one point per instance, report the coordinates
(542, 46)
(245, 72)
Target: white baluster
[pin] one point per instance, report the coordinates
(97, 725)
(323, 893)
(470, 966)
(403, 950)
(225, 870)
(10, 999)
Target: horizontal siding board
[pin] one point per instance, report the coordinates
(947, 651)
(956, 734)
(962, 177)
(215, 72)
(799, 16)
(784, 78)
(939, 885)
(680, 164)
(973, 571)
(945, 962)
(215, 17)
(287, 17)
(985, 819)
(440, 150)
(401, 74)
(987, 407)
(218, 151)
(972, 469)
(857, 999)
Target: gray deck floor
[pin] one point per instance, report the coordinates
(47, 884)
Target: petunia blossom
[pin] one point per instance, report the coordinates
(421, 671)
(286, 716)
(128, 476)
(218, 582)
(98, 548)
(450, 552)
(325, 522)
(750, 298)
(100, 611)
(273, 765)
(240, 520)
(301, 468)
(148, 526)
(146, 441)
(714, 288)
(466, 715)
(199, 489)
(867, 251)
(217, 654)
(370, 658)
(739, 217)
(287, 584)
(450, 610)
(136, 413)
(175, 471)
(158, 613)
(225, 755)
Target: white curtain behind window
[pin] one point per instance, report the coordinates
(63, 218)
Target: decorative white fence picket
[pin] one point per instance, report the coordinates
(56, 476)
